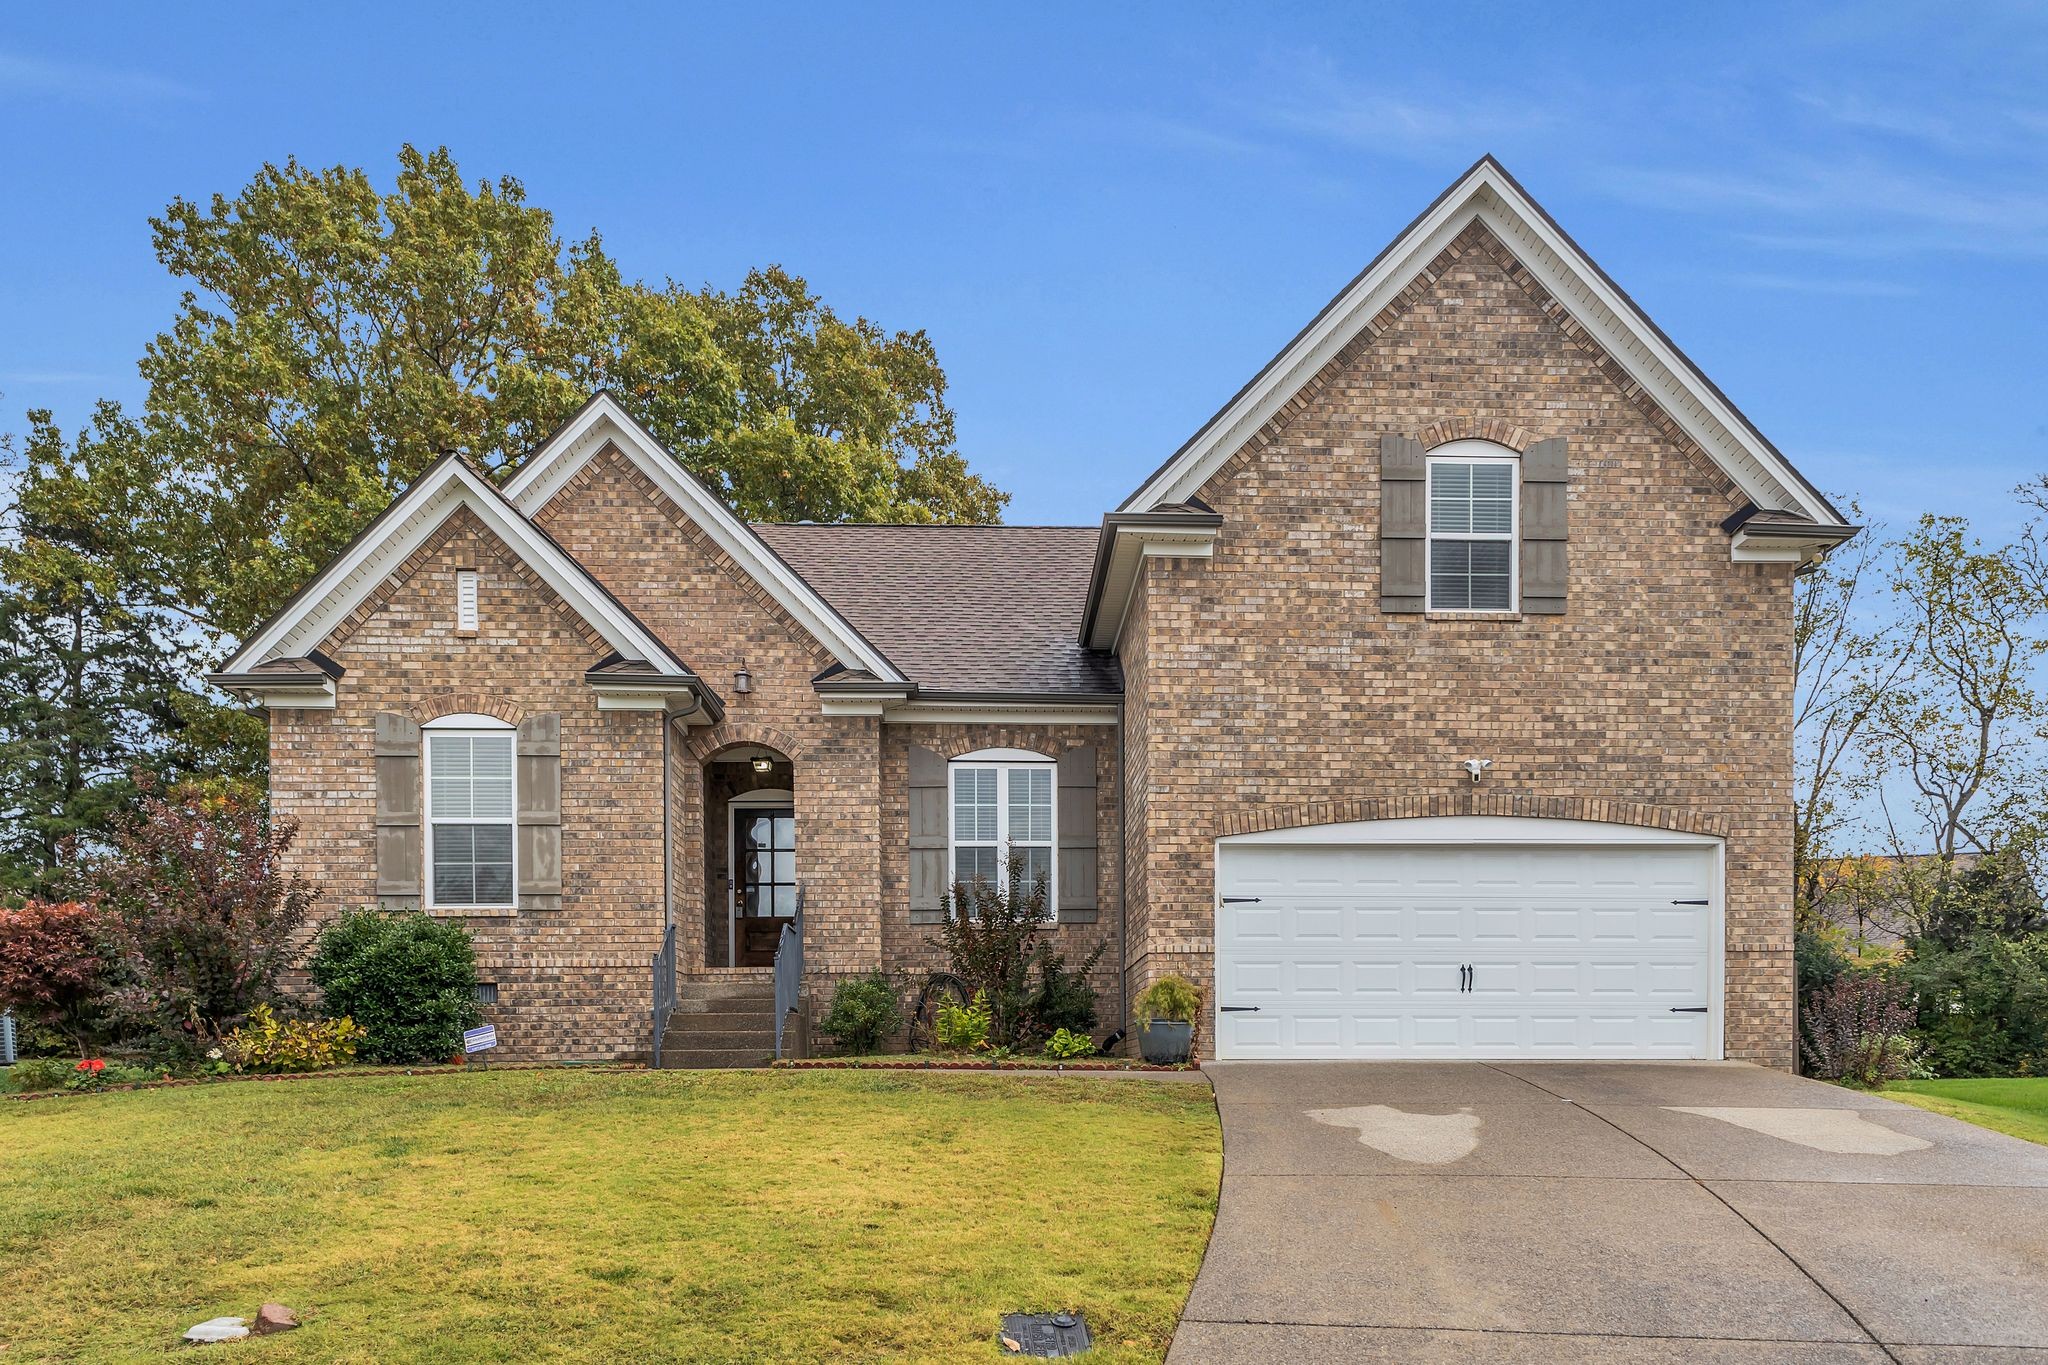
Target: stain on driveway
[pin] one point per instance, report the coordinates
(1609, 1212)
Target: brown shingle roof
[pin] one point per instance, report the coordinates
(960, 608)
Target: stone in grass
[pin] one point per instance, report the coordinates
(218, 1329)
(274, 1317)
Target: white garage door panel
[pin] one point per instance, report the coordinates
(1360, 951)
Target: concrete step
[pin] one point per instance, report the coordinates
(692, 992)
(686, 1059)
(721, 1019)
(696, 1040)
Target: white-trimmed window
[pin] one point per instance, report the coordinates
(470, 805)
(1473, 519)
(1002, 807)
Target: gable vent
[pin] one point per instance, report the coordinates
(465, 599)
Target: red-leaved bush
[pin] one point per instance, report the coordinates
(205, 909)
(55, 965)
(1859, 1028)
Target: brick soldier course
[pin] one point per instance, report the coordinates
(1263, 673)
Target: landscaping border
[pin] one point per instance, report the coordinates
(337, 1073)
(887, 1063)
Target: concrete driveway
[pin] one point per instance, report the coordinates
(1424, 1212)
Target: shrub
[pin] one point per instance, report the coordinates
(1065, 1045)
(1983, 1007)
(94, 1074)
(1859, 1030)
(963, 1028)
(407, 979)
(1171, 998)
(990, 934)
(206, 912)
(40, 1073)
(56, 968)
(268, 1043)
(864, 1009)
(1062, 1001)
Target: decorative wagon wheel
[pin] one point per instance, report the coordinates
(940, 988)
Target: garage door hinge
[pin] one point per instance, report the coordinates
(1689, 902)
(1239, 1009)
(1240, 900)
(1688, 1009)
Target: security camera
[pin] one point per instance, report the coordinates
(1477, 767)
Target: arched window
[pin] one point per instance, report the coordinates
(1003, 809)
(470, 781)
(1474, 516)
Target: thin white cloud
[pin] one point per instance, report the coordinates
(41, 78)
(1304, 93)
(1815, 284)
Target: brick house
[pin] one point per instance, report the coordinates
(1433, 700)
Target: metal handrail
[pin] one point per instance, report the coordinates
(664, 989)
(789, 969)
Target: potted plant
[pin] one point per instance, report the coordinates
(1166, 1012)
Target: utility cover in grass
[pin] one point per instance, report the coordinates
(1049, 1336)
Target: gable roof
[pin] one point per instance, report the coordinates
(1490, 195)
(450, 483)
(961, 608)
(604, 421)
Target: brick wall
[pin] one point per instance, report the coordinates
(1268, 679)
(573, 982)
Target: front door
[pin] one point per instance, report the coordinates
(764, 881)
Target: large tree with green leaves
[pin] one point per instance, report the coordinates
(335, 338)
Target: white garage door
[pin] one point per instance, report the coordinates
(1491, 949)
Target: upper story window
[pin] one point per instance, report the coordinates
(1002, 804)
(470, 835)
(1473, 519)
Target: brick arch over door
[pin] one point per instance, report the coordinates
(704, 745)
(1308, 813)
(440, 704)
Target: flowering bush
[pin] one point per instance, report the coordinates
(94, 1074)
(1859, 1029)
(267, 1043)
(56, 966)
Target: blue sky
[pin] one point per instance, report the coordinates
(1109, 217)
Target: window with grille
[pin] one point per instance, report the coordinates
(1472, 517)
(470, 818)
(1003, 811)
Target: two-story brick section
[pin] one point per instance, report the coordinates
(1435, 699)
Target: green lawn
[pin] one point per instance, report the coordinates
(2018, 1106)
(686, 1216)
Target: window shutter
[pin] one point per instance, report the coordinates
(1543, 528)
(928, 840)
(400, 852)
(539, 856)
(1404, 522)
(1077, 836)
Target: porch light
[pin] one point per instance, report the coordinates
(764, 764)
(743, 681)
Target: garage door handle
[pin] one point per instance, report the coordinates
(1688, 1009)
(1240, 1009)
(1691, 902)
(1240, 900)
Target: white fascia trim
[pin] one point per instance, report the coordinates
(306, 697)
(1487, 195)
(420, 510)
(568, 450)
(1472, 829)
(680, 703)
(1130, 547)
(1745, 548)
(987, 713)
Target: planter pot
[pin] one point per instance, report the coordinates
(1165, 1043)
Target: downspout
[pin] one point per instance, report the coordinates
(1123, 873)
(668, 876)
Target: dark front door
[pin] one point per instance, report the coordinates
(764, 880)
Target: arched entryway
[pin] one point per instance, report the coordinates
(751, 852)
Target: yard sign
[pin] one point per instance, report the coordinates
(477, 1039)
